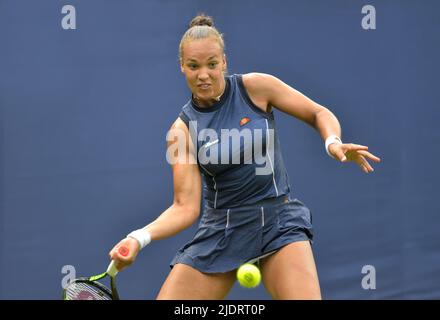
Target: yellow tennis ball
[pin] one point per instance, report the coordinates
(249, 275)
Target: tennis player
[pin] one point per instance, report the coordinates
(249, 212)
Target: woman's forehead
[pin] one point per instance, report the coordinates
(202, 49)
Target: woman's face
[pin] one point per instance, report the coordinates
(203, 63)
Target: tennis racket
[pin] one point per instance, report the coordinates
(88, 288)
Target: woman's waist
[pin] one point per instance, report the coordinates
(256, 212)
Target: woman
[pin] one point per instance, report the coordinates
(249, 215)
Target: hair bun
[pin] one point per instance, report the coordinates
(202, 20)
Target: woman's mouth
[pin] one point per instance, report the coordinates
(204, 86)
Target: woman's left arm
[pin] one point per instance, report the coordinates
(269, 91)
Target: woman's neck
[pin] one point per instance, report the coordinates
(213, 100)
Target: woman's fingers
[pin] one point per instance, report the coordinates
(357, 153)
(364, 168)
(369, 156)
(359, 159)
(366, 165)
(353, 146)
(338, 152)
(363, 163)
(350, 149)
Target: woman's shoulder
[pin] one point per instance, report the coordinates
(256, 78)
(180, 123)
(259, 83)
(259, 86)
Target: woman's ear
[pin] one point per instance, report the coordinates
(225, 65)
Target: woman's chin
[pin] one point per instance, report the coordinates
(205, 97)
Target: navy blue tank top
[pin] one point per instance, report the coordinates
(238, 150)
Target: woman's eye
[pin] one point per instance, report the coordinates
(213, 65)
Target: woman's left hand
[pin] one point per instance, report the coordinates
(353, 152)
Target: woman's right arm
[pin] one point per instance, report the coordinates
(186, 203)
(187, 193)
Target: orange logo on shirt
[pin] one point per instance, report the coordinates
(244, 121)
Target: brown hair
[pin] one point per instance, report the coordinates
(201, 27)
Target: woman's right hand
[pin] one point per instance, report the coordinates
(123, 261)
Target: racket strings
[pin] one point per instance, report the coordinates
(86, 291)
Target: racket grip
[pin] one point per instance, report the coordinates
(112, 271)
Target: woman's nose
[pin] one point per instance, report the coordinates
(203, 75)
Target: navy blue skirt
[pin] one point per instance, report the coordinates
(227, 238)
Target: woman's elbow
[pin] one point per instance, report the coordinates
(189, 212)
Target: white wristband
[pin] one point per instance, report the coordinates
(142, 236)
(331, 139)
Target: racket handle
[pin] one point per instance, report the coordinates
(112, 271)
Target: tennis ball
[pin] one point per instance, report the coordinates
(249, 275)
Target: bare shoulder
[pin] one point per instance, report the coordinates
(257, 80)
(180, 125)
(178, 131)
(259, 87)
(178, 135)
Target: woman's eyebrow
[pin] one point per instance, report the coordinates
(194, 60)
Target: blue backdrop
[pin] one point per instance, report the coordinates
(84, 114)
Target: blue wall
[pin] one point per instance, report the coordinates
(84, 114)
